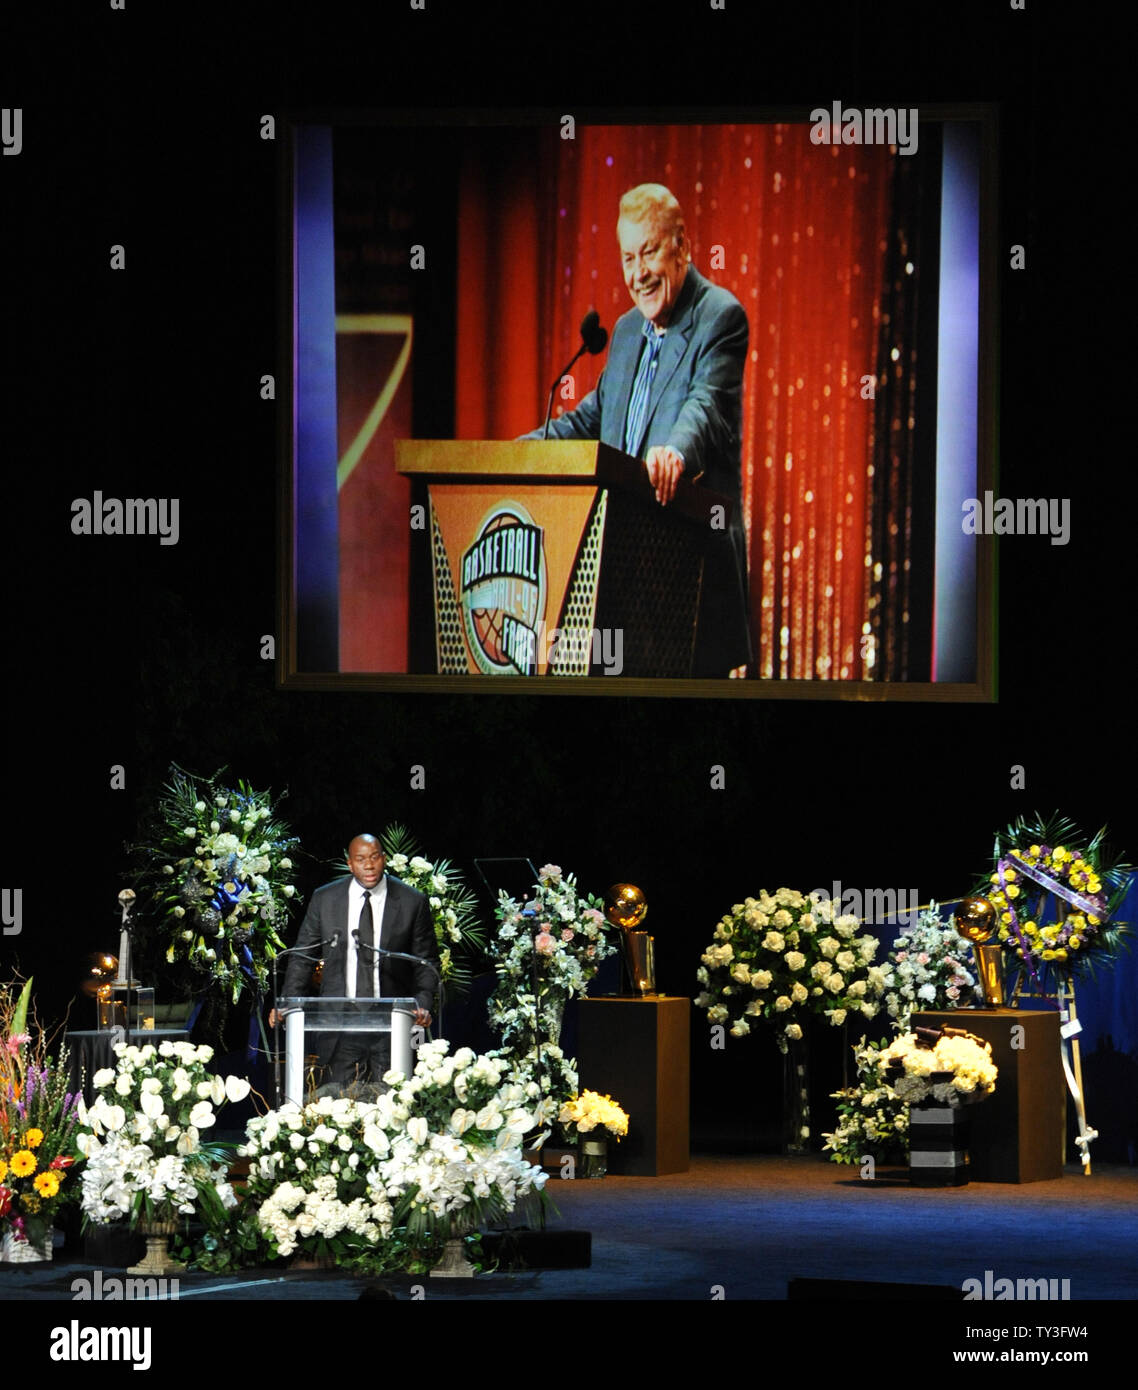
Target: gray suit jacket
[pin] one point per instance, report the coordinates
(696, 406)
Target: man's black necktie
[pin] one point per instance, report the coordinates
(365, 954)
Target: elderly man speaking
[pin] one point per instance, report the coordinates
(671, 394)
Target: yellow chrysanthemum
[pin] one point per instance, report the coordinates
(33, 1138)
(46, 1184)
(23, 1163)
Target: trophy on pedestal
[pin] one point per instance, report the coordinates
(625, 908)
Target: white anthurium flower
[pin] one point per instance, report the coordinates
(204, 1090)
(152, 1105)
(418, 1129)
(114, 1117)
(217, 1090)
(202, 1116)
(236, 1089)
(188, 1140)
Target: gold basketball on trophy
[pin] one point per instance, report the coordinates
(625, 906)
(975, 919)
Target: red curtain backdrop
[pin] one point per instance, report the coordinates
(799, 233)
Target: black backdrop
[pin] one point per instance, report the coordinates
(145, 131)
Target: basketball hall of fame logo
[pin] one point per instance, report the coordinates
(503, 591)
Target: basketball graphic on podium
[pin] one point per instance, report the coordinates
(503, 591)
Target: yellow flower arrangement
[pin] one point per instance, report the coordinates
(23, 1163)
(590, 1109)
(1038, 875)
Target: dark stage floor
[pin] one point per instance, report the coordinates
(743, 1228)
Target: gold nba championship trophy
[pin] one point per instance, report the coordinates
(625, 908)
(976, 919)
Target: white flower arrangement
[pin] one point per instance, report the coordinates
(453, 907)
(927, 969)
(873, 1121)
(441, 1148)
(217, 873)
(956, 1071)
(314, 1178)
(558, 937)
(142, 1135)
(783, 956)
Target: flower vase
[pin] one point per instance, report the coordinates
(453, 1263)
(157, 1259)
(796, 1098)
(938, 1141)
(16, 1252)
(594, 1156)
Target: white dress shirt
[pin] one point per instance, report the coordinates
(355, 907)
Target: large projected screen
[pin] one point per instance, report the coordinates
(760, 475)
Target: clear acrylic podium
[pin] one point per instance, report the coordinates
(304, 1017)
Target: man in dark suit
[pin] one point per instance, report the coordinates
(671, 393)
(352, 917)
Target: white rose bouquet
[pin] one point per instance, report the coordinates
(143, 1139)
(957, 1070)
(782, 956)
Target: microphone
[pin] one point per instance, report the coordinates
(593, 340)
(594, 335)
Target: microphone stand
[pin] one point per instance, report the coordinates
(593, 343)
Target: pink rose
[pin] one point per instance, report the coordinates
(566, 933)
(545, 944)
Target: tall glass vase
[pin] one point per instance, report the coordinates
(796, 1097)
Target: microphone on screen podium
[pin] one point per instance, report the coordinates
(593, 340)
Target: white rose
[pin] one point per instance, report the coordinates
(122, 1085)
(103, 1077)
(782, 1003)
